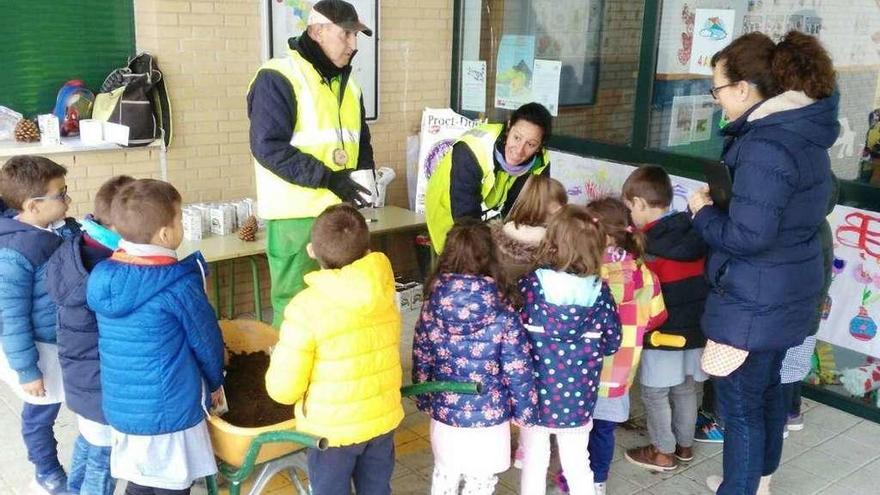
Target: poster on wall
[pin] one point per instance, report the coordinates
(545, 84)
(440, 128)
(682, 120)
(513, 71)
(713, 30)
(473, 85)
(287, 19)
(852, 309)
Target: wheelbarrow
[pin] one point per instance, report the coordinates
(272, 449)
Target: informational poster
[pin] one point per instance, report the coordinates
(545, 84)
(287, 19)
(513, 73)
(682, 120)
(441, 127)
(701, 122)
(713, 30)
(473, 85)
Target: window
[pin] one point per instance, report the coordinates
(580, 58)
(684, 119)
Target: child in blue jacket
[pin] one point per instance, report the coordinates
(160, 347)
(36, 188)
(69, 270)
(572, 324)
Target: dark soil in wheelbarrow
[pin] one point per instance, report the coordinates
(249, 404)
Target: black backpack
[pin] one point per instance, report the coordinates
(135, 96)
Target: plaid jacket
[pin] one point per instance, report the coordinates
(640, 305)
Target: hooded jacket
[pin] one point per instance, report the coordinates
(517, 247)
(338, 356)
(26, 310)
(572, 324)
(158, 342)
(466, 332)
(69, 270)
(766, 266)
(676, 253)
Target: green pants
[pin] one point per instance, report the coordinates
(288, 261)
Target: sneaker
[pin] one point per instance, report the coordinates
(599, 488)
(795, 423)
(52, 484)
(714, 482)
(710, 432)
(684, 454)
(649, 457)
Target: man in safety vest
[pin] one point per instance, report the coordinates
(308, 133)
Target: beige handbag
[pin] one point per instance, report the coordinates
(721, 359)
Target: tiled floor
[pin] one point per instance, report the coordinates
(835, 454)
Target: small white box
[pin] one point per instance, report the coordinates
(50, 131)
(408, 297)
(115, 133)
(205, 210)
(222, 219)
(91, 131)
(192, 224)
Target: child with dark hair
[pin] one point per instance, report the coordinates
(338, 358)
(35, 187)
(572, 324)
(161, 351)
(69, 270)
(468, 331)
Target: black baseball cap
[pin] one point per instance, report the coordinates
(343, 14)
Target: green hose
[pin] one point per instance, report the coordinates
(431, 387)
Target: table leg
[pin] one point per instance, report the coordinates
(230, 304)
(258, 298)
(215, 274)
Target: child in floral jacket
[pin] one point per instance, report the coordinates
(468, 332)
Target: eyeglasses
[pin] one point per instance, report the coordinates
(61, 196)
(714, 91)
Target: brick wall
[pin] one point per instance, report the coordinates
(210, 49)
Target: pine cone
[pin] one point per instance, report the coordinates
(248, 231)
(26, 131)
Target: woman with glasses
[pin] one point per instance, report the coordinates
(766, 264)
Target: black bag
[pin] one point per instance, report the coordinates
(135, 96)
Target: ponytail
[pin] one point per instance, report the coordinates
(615, 219)
(800, 63)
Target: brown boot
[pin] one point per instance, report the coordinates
(649, 457)
(684, 454)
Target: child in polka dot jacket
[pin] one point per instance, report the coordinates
(572, 324)
(468, 331)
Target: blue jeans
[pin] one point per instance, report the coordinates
(601, 448)
(750, 399)
(37, 430)
(368, 464)
(90, 469)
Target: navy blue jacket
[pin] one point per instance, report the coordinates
(26, 311)
(69, 271)
(271, 106)
(467, 332)
(573, 324)
(765, 266)
(158, 342)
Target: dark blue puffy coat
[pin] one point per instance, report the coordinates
(466, 332)
(69, 270)
(158, 341)
(765, 265)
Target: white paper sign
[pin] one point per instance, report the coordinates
(545, 84)
(682, 120)
(713, 30)
(473, 85)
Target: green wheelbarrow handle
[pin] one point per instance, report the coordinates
(431, 387)
(290, 436)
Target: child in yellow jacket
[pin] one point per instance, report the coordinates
(338, 358)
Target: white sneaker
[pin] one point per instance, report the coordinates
(714, 483)
(599, 488)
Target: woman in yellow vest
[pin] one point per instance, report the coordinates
(486, 169)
